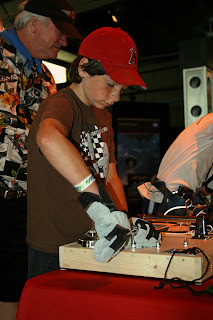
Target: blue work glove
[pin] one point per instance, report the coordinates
(112, 227)
(146, 234)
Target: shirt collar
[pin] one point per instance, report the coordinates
(11, 36)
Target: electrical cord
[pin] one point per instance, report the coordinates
(174, 208)
(181, 283)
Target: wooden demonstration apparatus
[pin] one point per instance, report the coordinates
(190, 246)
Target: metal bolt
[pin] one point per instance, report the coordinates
(185, 243)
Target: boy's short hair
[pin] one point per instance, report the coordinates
(92, 67)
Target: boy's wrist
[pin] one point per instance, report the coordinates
(83, 185)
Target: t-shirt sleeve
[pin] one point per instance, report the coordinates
(60, 109)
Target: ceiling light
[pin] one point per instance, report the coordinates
(113, 16)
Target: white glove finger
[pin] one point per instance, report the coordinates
(150, 243)
(140, 238)
(102, 243)
(105, 255)
(106, 248)
(143, 244)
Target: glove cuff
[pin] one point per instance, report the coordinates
(87, 198)
(105, 197)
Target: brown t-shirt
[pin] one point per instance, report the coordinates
(55, 216)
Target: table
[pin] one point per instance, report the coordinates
(80, 295)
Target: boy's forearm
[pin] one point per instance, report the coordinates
(63, 155)
(115, 188)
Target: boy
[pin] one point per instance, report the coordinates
(71, 150)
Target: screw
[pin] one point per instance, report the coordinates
(185, 243)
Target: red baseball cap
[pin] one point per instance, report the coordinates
(117, 52)
(60, 12)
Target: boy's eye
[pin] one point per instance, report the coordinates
(110, 84)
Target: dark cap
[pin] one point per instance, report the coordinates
(60, 12)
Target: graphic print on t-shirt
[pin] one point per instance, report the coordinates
(95, 151)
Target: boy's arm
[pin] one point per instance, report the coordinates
(112, 227)
(115, 188)
(62, 154)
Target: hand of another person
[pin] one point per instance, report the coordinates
(146, 234)
(112, 227)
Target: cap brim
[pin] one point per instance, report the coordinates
(67, 28)
(124, 76)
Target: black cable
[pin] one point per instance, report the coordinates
(181, 283)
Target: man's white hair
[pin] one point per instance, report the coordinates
(22, 18)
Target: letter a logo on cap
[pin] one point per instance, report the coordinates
(133, 57)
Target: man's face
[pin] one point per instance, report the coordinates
(49, 41)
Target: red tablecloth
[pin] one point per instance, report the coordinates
(66, 295)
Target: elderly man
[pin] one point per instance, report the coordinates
(39, 32)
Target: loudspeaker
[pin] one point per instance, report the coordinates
(197, 91)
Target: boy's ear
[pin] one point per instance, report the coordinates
(83, 61)
(81, 72)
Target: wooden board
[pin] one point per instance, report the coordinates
(146, 262)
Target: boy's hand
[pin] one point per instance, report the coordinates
(112, 227)
(146, 234)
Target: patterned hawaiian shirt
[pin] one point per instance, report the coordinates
(21, 92)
